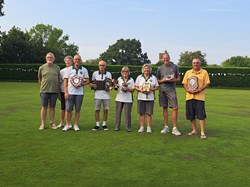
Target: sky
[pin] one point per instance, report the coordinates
(218, 28)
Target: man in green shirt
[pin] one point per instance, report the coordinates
(48, 78)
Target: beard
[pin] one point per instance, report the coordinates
(50, 62)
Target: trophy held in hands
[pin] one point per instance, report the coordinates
(105, 84)
(76, 81)
(146, 88)
(169, 75)
(192, 83)
(124, 87)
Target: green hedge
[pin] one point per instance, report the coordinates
(223, 77)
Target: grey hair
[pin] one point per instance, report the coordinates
(68, 57)
(52, 54)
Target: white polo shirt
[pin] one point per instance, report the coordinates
(62, 74)
(101, 94)
(81, 72)
(125, 97)
(139, 82)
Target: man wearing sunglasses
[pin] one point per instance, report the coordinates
(102, 96)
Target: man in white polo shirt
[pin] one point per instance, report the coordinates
(75, 78)
(102, 97)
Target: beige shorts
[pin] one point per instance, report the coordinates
(104, 102)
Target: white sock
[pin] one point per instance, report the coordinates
(104, 123)
(97, 123)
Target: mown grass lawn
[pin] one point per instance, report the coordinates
(30, 157)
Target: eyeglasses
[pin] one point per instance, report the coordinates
(101, 65)
(49, 57)
(77, 59)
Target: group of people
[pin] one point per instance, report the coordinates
(68, 85)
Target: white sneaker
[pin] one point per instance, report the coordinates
(176, 132)
(42, 127)
(165, 130)
(76, 128)
(66, 127)
(149, 129)
(53, 126)
(141, 129)
(60, 125)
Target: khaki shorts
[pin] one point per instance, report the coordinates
(99, 102)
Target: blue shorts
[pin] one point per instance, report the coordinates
(48, 99)
(74, 100)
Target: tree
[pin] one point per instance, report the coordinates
(92, 61)
(15, 46)
(31, 46)
(1, 7)
(46, 38)
(125, 52)
(187, 57)
(237, 61)
(159, 63)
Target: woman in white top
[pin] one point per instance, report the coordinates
(68, 62)
(146, 84)
(124, 98)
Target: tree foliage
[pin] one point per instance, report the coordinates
(159, 63)
(49, 38)
(125, 52)
(187, 57)
(1, 7)
(92, 61)
(237, 61)
(15, 46)
(31, 46)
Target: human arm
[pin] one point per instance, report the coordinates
(66, 92)
(85, 82)
(39, 80)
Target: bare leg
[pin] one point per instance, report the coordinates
(105, 114)
(52, 114)
(202, 126)
(174, 116)
(97, 115)
(148, 119)
(43, 114)
(77, 117)
(142, 118)
(62, 117)
(165, 115)
(68, 117)
(193, 123)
